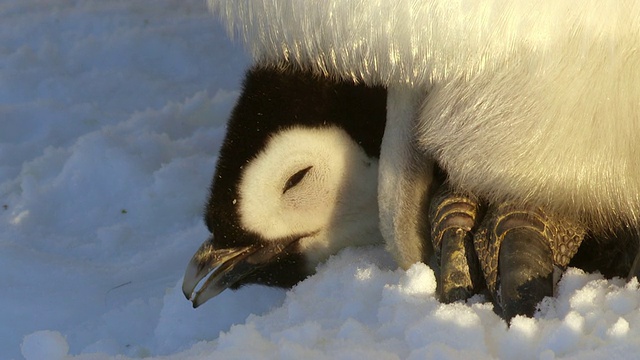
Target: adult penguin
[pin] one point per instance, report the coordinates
(531, 108)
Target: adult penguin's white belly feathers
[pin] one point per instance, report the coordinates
(565, 139)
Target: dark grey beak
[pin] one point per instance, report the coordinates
(223, 267)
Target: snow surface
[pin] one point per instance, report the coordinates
(111, 115)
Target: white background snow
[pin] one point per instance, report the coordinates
(111, 115)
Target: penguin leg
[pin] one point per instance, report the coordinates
(611, 254)
(518, 248)
(632, 242)
(454, 217)
(635, 269)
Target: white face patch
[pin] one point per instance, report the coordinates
(313, 183)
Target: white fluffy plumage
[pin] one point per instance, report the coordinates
(334, 203)
(532, 102)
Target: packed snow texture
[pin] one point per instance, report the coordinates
(111, 116)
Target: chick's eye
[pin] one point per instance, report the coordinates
(295, 179)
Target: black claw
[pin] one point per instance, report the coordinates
(525, 270)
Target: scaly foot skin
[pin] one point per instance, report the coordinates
(512, 251)
(518, 249)
(454, 218)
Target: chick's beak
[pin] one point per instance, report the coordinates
(223, 268)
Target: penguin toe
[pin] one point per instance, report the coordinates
(453, 219)
(518, 248)
(509, 250)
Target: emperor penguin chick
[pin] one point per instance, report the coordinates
(295, 182)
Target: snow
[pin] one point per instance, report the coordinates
(111, 115)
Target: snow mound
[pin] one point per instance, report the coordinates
(358, 306)
(45, 344)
